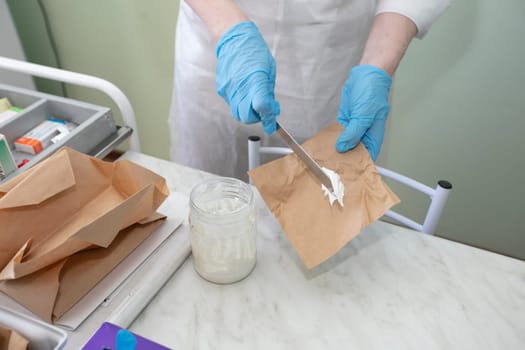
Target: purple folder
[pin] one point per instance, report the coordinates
(104, 338)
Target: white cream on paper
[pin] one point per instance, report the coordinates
(337, 185)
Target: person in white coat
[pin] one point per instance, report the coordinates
(304, 62)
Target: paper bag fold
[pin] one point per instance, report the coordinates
(317, 230)
(87, 202)
(61, 285)
(67, 206)
(21, 192)
(12, 340)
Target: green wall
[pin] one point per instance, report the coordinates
(32, 26)
(456, 111)
(127, 42)
(457, 114)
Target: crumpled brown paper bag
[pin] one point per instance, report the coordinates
(12, 340)
(317, 230)
(69, 204)
(61, 285)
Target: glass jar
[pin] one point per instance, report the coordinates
(222, 222)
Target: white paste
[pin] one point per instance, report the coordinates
(224, 249)
(337, 185)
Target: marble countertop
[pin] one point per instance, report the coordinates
(389, 288)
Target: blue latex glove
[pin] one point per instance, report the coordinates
(125, 340)
(245, 76)
(364, 108)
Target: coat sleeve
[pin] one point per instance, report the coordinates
(422, 12)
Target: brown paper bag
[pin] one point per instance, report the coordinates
(11, 340)
(317, 230)
(63, 284)
(68, 204)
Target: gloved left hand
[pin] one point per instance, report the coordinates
(245, 76)
(364, 108)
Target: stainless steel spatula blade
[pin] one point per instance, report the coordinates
(310, 163)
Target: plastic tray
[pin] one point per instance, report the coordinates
(96, 132)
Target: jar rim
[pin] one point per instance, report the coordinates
(243, 188)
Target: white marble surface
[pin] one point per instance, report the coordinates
(389, 288)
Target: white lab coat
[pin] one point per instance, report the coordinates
(314, 43)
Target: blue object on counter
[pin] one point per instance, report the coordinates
(113, 337)
(125, 340)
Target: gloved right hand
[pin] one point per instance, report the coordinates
(245, 76)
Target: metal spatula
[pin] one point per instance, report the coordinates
(310, 163)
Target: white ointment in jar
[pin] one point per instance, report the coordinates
(222, 222)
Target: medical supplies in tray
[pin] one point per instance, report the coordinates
(7, 110)
(34, 125)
